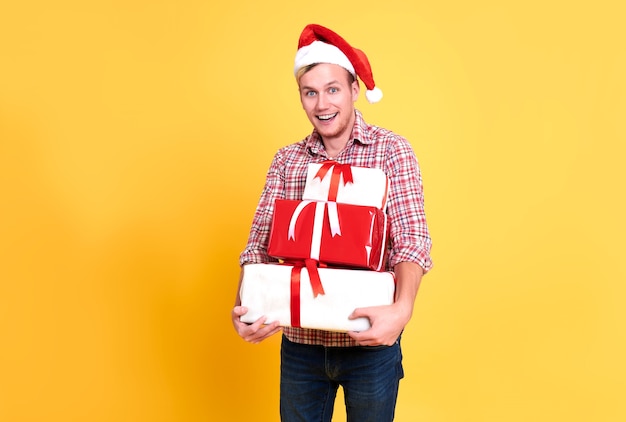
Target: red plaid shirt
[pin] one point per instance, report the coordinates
(369, 146)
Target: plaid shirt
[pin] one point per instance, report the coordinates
(369, 146)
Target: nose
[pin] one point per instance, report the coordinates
(322, 101)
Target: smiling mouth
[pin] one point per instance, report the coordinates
(326, 117)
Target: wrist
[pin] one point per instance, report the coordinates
(403, 309)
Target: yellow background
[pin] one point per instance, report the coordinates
(134, 140)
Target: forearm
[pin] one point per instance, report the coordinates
(409, 234)
(389, 321)
(408, 280)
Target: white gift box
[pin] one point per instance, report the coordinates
(266, 290)
(345, 184)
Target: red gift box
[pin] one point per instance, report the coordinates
(328, 232)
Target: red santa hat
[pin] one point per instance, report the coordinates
(318, 44)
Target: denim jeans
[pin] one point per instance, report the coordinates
(310, 376)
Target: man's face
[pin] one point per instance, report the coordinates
(328, 99)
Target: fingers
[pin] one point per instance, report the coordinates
(382, 330)
(239, 311)
(255, 332)
(368, 313)
(354, 315)
(364, 340)
(369, 338)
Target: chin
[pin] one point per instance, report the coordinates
(327, 133)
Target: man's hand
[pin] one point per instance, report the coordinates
(387, 323)
(256, 332)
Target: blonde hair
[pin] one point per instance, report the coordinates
(305, 69)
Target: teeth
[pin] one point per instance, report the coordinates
(327, 116)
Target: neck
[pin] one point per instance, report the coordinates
(334, 148)
(334, 145)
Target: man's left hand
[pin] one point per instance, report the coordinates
(387, 323)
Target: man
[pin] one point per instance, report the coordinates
(368, 364)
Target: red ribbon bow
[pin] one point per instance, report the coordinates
(338, 171)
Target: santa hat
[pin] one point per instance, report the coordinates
(318, 44)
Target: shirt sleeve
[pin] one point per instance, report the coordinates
(410, 239)
(258, 239)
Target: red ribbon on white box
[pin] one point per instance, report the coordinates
(339, 172)
(316, 286)
(294, 305)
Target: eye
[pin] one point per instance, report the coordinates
(310, 93)
(333, 90)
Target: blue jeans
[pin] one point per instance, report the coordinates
(310, 376)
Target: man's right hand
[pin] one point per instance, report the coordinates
(255, 332)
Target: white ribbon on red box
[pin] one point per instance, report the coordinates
(335, 229)
(318, 221)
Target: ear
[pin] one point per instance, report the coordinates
(356, 89)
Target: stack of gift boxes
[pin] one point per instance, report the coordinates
(332, 248)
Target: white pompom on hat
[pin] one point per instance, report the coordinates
(318, 44)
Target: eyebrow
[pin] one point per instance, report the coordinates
(335, 82)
